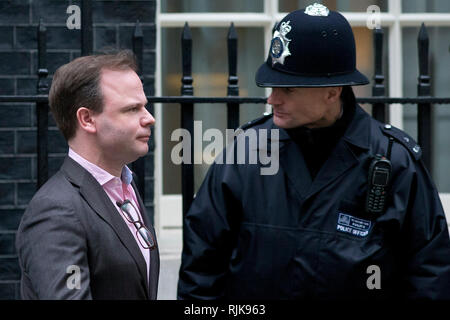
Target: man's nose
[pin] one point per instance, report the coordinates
(147, 119)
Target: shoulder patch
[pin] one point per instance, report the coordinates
(401, 137)
(256, 121)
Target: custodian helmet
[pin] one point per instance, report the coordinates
(312, 47)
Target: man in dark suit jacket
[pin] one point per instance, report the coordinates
(85, 233)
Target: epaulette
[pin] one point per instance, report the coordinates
(409, 143)
(256, 121)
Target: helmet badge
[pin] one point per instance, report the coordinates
(279, 48)
(317, 9)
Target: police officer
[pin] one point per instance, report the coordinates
(351, 213)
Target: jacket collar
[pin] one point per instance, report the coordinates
(342, 159)
(357, 133)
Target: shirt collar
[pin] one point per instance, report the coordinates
(127, 175)
(102, 176)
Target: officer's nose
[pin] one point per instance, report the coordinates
(274, 98)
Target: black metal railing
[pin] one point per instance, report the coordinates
(379, 101)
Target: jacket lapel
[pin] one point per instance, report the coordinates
(344, 157)
(293, 163)
(141, 203)
(340, 161)
(97, 198)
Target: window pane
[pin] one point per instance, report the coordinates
(438, 6)
(339, 5)
(171, 6)
(439, 66)
(210, 74)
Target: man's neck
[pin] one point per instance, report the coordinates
(97, 158)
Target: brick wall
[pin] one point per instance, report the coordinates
(113, 29)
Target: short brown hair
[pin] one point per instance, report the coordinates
(77, 84)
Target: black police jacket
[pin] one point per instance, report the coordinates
(284, 236)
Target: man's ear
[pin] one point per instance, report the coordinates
(333, 94)
(85, 120)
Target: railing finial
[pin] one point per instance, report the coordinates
(233, 88)
(424, 89)
(379, 111)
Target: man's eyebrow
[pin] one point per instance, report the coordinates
(129, 106)
(133, 105)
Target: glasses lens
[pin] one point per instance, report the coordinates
(130, 212)
(145, 238)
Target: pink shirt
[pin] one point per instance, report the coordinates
(117, 189)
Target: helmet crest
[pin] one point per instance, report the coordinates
(317, 9)
(279, 48)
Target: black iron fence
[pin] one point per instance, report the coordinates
(378, 101)
(187, 100)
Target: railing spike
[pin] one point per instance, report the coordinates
(186, 35)
(232, 35)
(138, 30)
(423, 45)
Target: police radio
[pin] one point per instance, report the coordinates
(379, 176)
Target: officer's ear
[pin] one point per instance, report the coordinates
(333, 94)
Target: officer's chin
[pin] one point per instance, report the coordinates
(282, 122)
